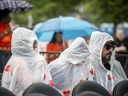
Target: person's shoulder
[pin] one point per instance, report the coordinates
(55, 62)
(65, 44)
(16, 61)
(15, 57)
(126, 41)
(117, 64)
(50, 45)
(126, 38)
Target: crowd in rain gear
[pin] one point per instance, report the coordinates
(77, 63)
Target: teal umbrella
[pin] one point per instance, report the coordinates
(70, 26)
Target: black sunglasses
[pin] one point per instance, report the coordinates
(110, 44)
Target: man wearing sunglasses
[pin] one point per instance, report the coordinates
(107, 53)
(108, 71)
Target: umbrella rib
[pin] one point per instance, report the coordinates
(59, 23)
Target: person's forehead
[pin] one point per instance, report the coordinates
(59, 34)
(120, 31)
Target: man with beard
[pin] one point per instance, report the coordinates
(108, 71)
(107, 52)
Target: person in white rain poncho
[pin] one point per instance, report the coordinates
(26, 65)
(72, 66)
(108, 71)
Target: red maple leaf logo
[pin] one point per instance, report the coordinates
(44, 76)
(66, 93)
(109, 77)
(51, 83)
(92, 71)
(7, 68)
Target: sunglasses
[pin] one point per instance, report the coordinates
(110, 45)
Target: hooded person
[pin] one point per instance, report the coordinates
(26, 65)
(108, 71)
(72, 66)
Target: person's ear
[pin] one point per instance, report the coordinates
(35, 44)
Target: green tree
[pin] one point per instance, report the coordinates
(115, 11)
(45, 9)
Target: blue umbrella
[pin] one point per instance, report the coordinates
(70, 26)
(106, 27)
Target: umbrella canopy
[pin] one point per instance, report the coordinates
(14, 5)
(70, 26)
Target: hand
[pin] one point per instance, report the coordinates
(121, 48)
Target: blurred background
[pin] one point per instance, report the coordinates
(104, 14)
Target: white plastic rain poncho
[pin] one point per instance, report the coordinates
(72, 66)
(26, 65)
(107, 78)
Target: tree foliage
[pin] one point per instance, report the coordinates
(97, 11)
(108, 10)
(115, 11)
(44, 9)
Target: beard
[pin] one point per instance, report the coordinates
(106, 58)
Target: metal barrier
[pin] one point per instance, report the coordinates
(48, 54)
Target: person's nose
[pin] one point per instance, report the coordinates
(111, 49)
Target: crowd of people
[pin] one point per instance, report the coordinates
(79, 62)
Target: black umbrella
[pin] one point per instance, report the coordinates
(15, 5)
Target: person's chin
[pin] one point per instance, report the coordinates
(108, 58)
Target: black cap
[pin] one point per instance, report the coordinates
(111, 42)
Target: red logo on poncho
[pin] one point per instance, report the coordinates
(51, 83)
(110, 77)
(66, 93)
(7, 68)
(92, 71)
(44, 76)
